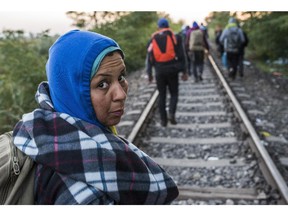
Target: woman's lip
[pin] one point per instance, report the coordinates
(118, 112)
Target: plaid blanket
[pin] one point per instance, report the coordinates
(81, 163)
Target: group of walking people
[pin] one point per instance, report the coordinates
(196, 45)
(191, 45)
(185, 55)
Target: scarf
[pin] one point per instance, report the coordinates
(82, 163)
(230, 25)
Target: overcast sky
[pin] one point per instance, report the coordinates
(34, 21)
(58, 22)
(38, 15)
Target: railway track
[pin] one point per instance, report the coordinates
(213, 153)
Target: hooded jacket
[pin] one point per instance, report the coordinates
(231, 27)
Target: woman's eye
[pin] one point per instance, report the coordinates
(122, 78)
(103, 85)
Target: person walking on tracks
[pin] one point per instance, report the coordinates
(232, 39)
(197, 46)
(166, 53)
(242, 54)
(186, 45)
(183, 34)
(72, 136)
(220, 47)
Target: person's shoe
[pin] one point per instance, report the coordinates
(172, 119)
(163, 123)
(200, 78)
(230, 72)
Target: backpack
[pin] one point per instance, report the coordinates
(17, 172)
(196, 41)
(180, 49)
(163, 46)
(233, 41)
(181, 58)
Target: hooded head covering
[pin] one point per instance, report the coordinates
(73, 60)
(232, 20)
(163, 23)
(184, 28)
(195, 25)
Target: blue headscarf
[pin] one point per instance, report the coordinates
(73, 60)
(195, 25)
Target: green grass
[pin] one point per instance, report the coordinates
(272, 68)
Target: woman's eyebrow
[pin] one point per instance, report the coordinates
(104, 75)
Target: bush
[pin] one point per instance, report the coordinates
(22, 68)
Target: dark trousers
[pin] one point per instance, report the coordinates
(232, 61)
(241, 66)
(189, 64)
(166, 79)
(197, 58)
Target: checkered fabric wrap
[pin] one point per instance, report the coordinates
(80, 163)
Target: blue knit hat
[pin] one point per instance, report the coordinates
(163, 23)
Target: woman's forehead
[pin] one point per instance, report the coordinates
(109, 61)
(111, 57)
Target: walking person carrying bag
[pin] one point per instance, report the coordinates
(166, 53)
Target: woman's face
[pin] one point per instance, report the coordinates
(108, 90)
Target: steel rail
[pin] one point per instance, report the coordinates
(277, 180)
(143, 117)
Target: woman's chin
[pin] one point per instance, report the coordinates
(113, 122)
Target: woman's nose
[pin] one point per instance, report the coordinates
(119, 92)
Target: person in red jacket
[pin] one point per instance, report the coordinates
(167, 66)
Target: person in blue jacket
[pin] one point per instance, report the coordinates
(72, 136)
(232, 39)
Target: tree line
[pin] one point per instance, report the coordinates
(23, 55)
(266, 30)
